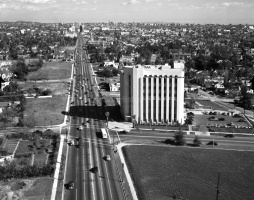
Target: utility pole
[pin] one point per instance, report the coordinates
(218, 192)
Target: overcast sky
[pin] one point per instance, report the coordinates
(178, 11)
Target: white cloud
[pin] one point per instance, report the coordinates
(37, 1)
(81, 2)
(159, 4)
(2, 6)
(131, 2)
(147, 1)
(227, 4)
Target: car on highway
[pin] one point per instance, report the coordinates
(88, 121)
(70, 185)
(81, 127)
(80, 144)
(107, 157)
(71, 142)
(94, 170)
(80, 98)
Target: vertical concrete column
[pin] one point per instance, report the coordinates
(141, 103)
(162, 98)
(172, 98)
(180, 100)
(147, 90)
(167, 99)
(157, 99)
(152, 98)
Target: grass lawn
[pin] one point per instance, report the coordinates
(189, 173)
(46, 111)
(214, 106)
(57, 69)
(56, 88)
(40, 154)
(41, 188)
(29, 189)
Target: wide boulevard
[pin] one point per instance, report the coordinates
(81, 161)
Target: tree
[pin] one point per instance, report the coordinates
(196, 141)
(12, 87)
(179, 138)
(106, 73)
(7, 115)
(189, 119)
(20, 70)
(245, 99)
(115, 71)
(28, 121)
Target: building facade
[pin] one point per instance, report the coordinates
(153, 93)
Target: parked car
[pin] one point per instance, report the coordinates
(229, 136)
(123, 132)
(212, 143)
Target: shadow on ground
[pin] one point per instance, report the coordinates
(96, 112)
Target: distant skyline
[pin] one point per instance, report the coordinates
(83, 11)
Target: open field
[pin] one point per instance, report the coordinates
(189, 173)
(46, 111)
(56, 88)
(29, 189)
(40, 154)
(214, 106)
(57, 69)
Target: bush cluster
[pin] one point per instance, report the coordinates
(26, 154)
(10, 171)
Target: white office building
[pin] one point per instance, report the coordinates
(153, 93)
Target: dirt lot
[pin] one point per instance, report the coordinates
(47, 111)
(185, 173)
(56, 69)
(56, 88)
(26, 189)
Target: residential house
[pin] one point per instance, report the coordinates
(114, 87)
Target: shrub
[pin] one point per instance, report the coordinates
(179, 138)
(196, 141)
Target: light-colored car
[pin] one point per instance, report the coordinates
(71, 185)
(108, 157)
(81, 127)
(71, 142)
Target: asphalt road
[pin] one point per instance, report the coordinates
(88, 185)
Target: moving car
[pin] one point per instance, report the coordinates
(71, 142)
(70, 185)
(108, 157)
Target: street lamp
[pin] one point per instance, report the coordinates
(133, 120)
(107, 115)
